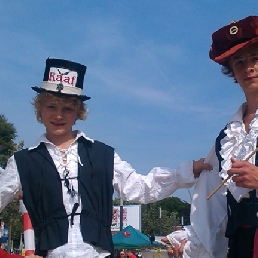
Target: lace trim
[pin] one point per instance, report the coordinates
(238, 144)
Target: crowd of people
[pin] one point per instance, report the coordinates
(67, 179)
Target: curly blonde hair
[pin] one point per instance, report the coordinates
(41, 98)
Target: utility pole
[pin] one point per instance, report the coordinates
(121, 213)
(160, 221)
(9, 238)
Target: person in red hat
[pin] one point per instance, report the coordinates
(67, 179)
(224, 220)
(235, 48)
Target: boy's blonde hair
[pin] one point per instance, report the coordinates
(41, 98)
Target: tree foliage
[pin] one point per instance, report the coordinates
(172, 209)
(7, 135)
(11, 215)
(13, 220)
(162, 217)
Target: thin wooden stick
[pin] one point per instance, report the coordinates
(228, 177)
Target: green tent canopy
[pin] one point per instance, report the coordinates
(131, 238)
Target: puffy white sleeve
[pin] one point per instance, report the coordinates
(193, 247)
(10, 186)
(158, 184)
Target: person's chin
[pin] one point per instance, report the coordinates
(59, 132)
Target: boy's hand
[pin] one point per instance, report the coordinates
(244, 174)
(199, 166)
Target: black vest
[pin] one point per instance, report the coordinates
(244, 212)
(42, 195)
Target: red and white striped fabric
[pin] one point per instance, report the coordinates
(28, 231)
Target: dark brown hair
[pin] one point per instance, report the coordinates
(227, 70)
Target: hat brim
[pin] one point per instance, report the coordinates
(81, 97)
(226, 55)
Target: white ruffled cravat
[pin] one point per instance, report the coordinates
(238, 144)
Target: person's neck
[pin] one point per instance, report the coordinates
(251, 108)
(252, 103)
(249, 113)
(61, 141)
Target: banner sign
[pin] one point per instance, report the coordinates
(131, 216)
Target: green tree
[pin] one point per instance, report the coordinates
(172, 210)
(152, 224)
(174, 204)
(116, 202)
(11, 215)
(12, 218)
(7, 136)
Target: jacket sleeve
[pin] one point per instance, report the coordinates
(158, 184)
(10, 186)
(193, 247)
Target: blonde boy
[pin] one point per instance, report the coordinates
(67, 179)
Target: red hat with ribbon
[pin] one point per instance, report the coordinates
(233, 37)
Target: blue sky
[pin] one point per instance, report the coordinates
(156, 96)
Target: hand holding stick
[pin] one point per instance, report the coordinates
(228, 177)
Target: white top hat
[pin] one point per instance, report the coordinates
(63, 77)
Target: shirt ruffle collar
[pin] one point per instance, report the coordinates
(238, 144)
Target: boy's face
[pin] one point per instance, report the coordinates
(58, 117)
(245, 67)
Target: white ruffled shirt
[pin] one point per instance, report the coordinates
(206, 234)
(160, 183)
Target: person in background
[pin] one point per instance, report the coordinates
(179, 249)
(122, 254)
(67, 179)
(130, 254)
(177, 236)
(177, 240)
